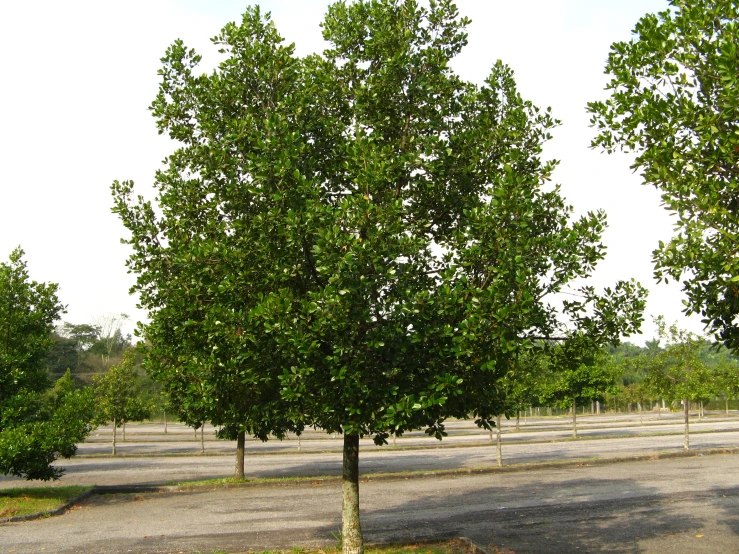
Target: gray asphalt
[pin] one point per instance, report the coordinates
(156, 470)
(675, 505)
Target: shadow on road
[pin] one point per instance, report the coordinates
(566, 517)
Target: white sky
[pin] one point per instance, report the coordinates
(78, 77)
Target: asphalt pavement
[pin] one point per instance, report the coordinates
(674, 505)
(662, 505)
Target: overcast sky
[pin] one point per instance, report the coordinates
(78, 78)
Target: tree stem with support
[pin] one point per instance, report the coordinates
(574, 418)
(686, 443)
(499, 444)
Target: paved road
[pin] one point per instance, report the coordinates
(676, 505)
(149, 438)
(167, 469)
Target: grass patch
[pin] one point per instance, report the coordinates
(454, 546)
(449, 547)
(32, 500)
(218, 482)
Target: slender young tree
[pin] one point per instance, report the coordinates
(580, 373)
(118, 395)
(677, 372)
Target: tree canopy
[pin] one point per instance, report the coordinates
(674, 101)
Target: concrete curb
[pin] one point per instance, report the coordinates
(515, 468)
(55, 512)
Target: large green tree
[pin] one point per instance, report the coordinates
(675, 103)
(357, 240)
(35, 428)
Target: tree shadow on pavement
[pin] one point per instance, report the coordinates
(563, 517)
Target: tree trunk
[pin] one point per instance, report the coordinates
(165, 422)
(239, 468)
(549, 412)
(491, 436)
(395, 438)
(574, 418)
(597, 407)
(124, 431)
(114, 428)
(299, 445)
(727, 405)
(700, 411)
(351, 532)
(202, 440)
(518, 420)
(686, 444)
(499, 444)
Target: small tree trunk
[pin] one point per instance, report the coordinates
(202, 440)
(549, 412)
(518, 420)
(574, 418)
(597, 407)
(195, 433)
(499, 443)
(124, 431)
(491, 436)
(686, 443)
(700, 410)
(239, 468)
(726, 400)
(299, 445)
(165, 422)
(395, 438)
(351, 532)
(114, 428)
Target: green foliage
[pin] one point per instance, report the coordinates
(118, 393)
(63, 355)
(579, 372)
(360, 240)
(675, 103)
(36, 426)
(677, 371)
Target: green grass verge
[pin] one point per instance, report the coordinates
(32, 500)
(453, 546)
